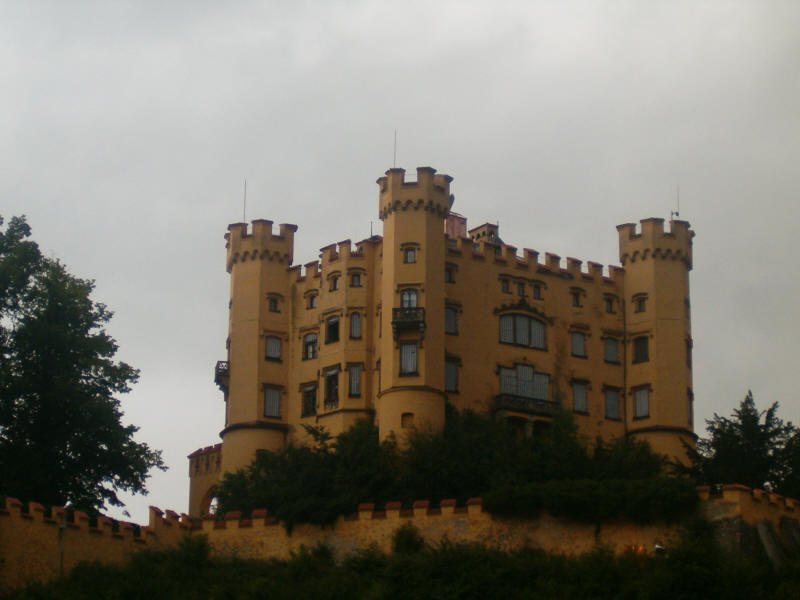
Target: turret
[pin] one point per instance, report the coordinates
(412, 342)
(255, 381)
(658, 397)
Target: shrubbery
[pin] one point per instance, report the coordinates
(695, 568)
(554, 470)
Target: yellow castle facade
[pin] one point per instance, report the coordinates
(394, 328)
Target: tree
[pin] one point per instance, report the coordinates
(751, 447)
(61, 435)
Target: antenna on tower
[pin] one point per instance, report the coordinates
(394, 158)
(244, 203)
(677, 212)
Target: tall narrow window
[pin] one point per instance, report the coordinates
(273, 347)
(312, 301)
(309, 406)
(609, 302)
(640, 349)
(505, 286)
(355, 280)
(332, 387)
(450, 320)
(520, 289)
(408, 298)
(410, 255)
(690, 407)
(689, 353)
(449, 277)
(332, 330)
(309, 346)
(640, 303)
(354, 372)
(273, 305)
(641, 403)
(355, 325)
(611, 350)
(612, 403)
(541, 386)
(578, 344)
(272, 402)
(408, 358)
(576, 299)
(334, 283)
(451, 375)
(579, 403)
(537, 291)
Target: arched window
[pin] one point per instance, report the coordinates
(522, 330)
(408, 298)
(310, 346)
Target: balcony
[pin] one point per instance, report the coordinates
(531, 406)
(408, 319)
(222, 374)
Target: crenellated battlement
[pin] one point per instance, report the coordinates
(653, 241)
(261, 244)
(430, 192)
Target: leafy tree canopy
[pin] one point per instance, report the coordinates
(61, 435)
(751, 447)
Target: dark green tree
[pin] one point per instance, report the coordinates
(61, 435)
(751, 447)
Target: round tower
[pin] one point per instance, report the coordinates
(412, 295)
(658, 394)
(256, 381)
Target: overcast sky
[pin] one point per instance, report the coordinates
(127, 130)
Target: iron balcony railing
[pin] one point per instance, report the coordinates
(222, 372)
(533, 406)
(404, 319)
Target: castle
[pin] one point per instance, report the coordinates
(433, 313)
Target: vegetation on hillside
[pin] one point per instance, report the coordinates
(752, 447)
(695, 568)
(554, 470)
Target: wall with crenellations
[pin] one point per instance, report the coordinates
(30, 548)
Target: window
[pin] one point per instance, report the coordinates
(410, 255)
(522, 330)
(641, 403)
(690, 396)
(355, 280)
(310, 346)
(332, 387)
(450, 320)
(640, 303)
(578, 344)
(523, 381)
(332, 330)
(449, 277)
(309, 400)
(354, 371)
(520, 289)
(355, 325)
(273, 347)
(609, 305)
(334, 283)
(312, 301)
(272, 402)
(505, 287)
(579, 403)
(408, 358)
(640, 350)
(408, 298)
(612, 403)
(576, 299)
(273, 305)
(611, 350)
(537, 291)
(451, 375)
(689, 353)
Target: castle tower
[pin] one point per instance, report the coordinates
(412, 352)
(658, 395)
(255, 377)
